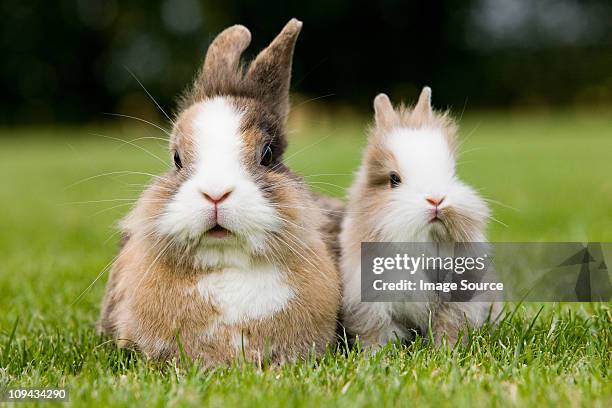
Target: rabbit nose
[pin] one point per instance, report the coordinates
(216, 198)
(435, 201)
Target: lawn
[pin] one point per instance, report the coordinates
(63, 191)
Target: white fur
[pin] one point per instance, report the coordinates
(427, 170)
(246, 294)
(219, 168)
(425, 160)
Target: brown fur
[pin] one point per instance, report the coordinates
(151, 300)
(333, 212)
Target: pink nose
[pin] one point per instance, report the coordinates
(435, 201)
(218, 198)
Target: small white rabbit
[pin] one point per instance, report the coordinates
(406, 190)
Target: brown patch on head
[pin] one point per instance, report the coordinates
(380, 162)
(261, 125)
(182, 139)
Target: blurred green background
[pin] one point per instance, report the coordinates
(66, 60)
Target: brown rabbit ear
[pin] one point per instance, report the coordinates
(270, 72)
(384, 114)
(224, 52)
(222, 62)
(423, 105)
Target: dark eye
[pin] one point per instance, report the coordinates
(394, 179)
(177, 160)
(266, 155)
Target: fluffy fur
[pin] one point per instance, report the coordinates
(268, 289)
(419, 146)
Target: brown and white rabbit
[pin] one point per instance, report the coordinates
(224, 254)
(407, 190)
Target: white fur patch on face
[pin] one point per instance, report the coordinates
(424, 157)
(219, 169)
(246, 294)
(427, 170)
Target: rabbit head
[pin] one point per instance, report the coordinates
(407, 188)
(228, 191)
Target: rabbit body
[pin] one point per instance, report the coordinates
(224, 257)
(408, 164)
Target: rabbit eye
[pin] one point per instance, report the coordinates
(394, 179)
(177, 160)
(266, 155)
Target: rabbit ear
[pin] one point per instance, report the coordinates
(270, 72)
(384, 114)
(423, 105)
(223, 56)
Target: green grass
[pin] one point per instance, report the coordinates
(551, 172)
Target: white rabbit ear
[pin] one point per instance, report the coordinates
(423, 106)
(384, 114)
